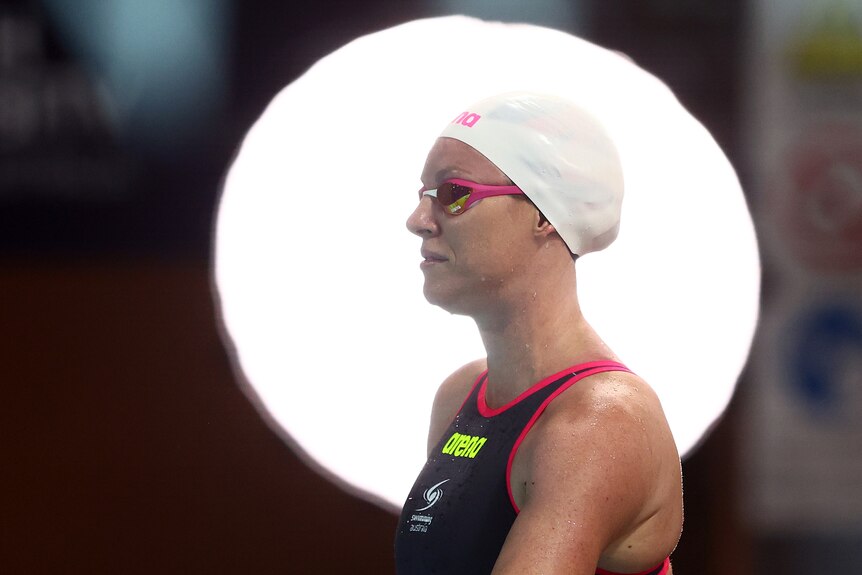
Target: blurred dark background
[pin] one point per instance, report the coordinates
(127, 446)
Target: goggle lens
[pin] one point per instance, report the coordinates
(453, 196)
(456, 196)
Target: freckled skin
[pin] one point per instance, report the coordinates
(598, 477)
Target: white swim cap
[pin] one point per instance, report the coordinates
(558, 154)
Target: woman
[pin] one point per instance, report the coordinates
(548, 455)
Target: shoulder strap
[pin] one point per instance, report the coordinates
(576, 374)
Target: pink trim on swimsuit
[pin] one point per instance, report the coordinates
(662, 570)
(585, 369)
(487, 411)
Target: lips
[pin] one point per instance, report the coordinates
(431, 256)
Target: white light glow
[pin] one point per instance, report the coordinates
(318, 279)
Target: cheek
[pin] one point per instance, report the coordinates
(495, 253)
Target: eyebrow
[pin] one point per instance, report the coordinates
(446, 174)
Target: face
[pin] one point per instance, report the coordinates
(472, 258)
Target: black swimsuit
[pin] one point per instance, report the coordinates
(461, 507)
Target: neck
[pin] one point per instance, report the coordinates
(535, 335)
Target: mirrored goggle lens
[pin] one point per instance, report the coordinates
(453, 196)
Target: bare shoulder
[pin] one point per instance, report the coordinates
(619, 425)
(602, 461)
(610, 416)
(450, 396)
(617, 398)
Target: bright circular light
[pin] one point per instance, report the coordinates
(318, 279)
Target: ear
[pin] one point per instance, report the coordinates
(543, 228)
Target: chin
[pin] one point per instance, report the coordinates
(446, 298)
(435, 295)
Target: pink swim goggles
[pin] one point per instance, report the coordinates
(456, 196)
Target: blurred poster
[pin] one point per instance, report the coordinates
(57, 135)
(803, 424)
(114, 124)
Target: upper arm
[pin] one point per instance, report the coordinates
(592, 468)
(450, 397)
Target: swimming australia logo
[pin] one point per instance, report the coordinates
(420, 522)
(432, 495)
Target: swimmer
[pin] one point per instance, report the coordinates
(548, 455)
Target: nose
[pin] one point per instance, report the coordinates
(423, 220)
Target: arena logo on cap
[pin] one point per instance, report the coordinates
(468, 119)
